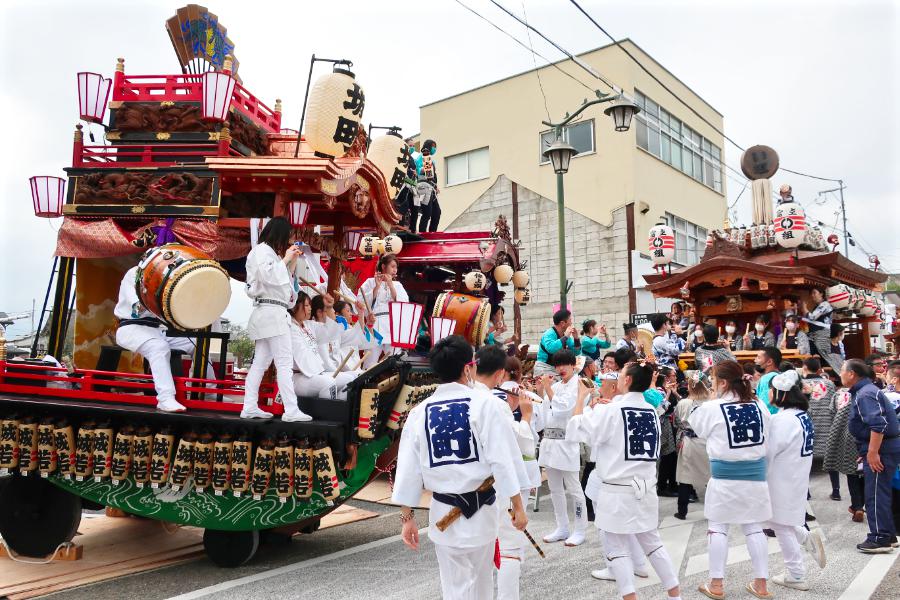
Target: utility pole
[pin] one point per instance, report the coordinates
(843, 214)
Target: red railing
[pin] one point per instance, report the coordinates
(149, 155)
(187, 88)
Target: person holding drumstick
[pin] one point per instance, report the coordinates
(376, 293)
(273, 288)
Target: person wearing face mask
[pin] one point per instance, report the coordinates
(766, 362)
(819, 322)
(789, 455)
(561, 458)
(732, 340)
(711, 352)
(452, 443)
(626, 431)
(760, 337)
(736, 429)
(427, 188)
(793, 338)
(695, 340)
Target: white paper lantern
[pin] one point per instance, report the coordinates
(379, 247)
(404, 323)
(47, 194)
(522, 296)
(441, 328)
(367, 245)
(390, 154)
(503, 274)
(298, 212)
(475, 281)
(335, 110)
(661, 243)
(93, 94)
(520, 279)
(838, 296)
(869, 306)
(790, 225)
(393, 244)
(218, 88)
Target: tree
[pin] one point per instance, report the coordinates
(240, 344)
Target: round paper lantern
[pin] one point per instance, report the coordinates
(390, 154)
(367, 245)
(335, 110)
(790, 225)
(475, 281)
(869, 306)
(393, 244)
(522, 296)
(520, 279)
(379, 246)
(503, 274)
(838, 296)
(661, 243)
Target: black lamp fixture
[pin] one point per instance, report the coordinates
(622, 110)
(560, 154)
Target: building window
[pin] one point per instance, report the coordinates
(467, 166)
(664, 136)
(580, 135)
(690, 240)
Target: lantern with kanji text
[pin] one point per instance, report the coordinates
(661, 243)
(390, 154)
(475, 281)
(393, 244)
(790, 225)
(367, 245)
(336, 104)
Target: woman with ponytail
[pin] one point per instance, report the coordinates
(735, 427)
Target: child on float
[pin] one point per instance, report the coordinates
(735, 427)
(358, 337)
(789, 454)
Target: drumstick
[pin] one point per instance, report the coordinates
(456, 512)
(362, 359)
(747, 331)
(530, 539)
(343, 363)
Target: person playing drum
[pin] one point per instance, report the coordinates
(143, 333)
(274, 290)
(377, 293)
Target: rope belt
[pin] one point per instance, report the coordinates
(283, 305)
(738, 470)
(554, 433)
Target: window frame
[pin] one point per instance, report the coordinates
(546, 161)
(468, 179)
(687, 254)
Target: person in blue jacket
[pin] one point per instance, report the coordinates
(563, 335)
(873, 423)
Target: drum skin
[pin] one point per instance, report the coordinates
(182, 286)
(470, 313)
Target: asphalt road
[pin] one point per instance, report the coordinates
(366, 561)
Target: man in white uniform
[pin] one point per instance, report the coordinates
(627, 434)
(561, 458)
(453, 444)
(142, 332)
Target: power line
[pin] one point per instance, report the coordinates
(534, 61)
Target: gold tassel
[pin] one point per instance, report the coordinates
(263, 464)
(123, 451)
(28, 446)
(140, 464)
(241, 465)
(184, 460)
(326, 472)
(221, 471)
(9, 444)
(161, 457)
(47, 457)
(65, 448)
(203, 461)
(84, 451)
(103, 442)
(303, 456)
(284, 469)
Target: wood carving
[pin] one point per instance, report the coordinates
(723, 246)
(360, 204)
(359, 146)
(501, 229)
(144, 188)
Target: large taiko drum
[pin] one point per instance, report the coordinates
(470, 313)
(182, 286)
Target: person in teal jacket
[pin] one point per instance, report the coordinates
(767, 361)
(563, 335)
(593, 339)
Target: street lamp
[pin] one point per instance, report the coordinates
(560, 154)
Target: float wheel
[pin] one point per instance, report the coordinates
(311, 527)
(37, 516)
(230, 549)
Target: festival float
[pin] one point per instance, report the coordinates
(189, 168)
(769, 268)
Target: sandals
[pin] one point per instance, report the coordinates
(753, 591)
(704, 589)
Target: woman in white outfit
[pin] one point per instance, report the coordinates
(312, 377)
(359, 337)
(560, 457)
(735, 428)
(377, 293)
(790, 454)
(627, 432)
(273, 288)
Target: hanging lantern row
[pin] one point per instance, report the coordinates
(790, 225)
(522, 296)
(503, 274)
(47, 194)
(93, 95)
(369, 245)
(298, 212)
(336, 103)
(845, 298)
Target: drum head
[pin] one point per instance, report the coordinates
(198, 297)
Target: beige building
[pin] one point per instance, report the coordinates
(667, 166)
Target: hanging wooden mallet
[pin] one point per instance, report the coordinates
(455, 512)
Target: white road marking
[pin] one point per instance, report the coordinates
(736, 554)
(675, 539)
(869, 578)
(227, 585)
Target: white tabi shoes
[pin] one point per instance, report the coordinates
(171, 405)
(787, 580)
(576, 539)
(255, 412)
(606, 574)
(557, 536)
(295, 417)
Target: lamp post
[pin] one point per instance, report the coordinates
(560, 154)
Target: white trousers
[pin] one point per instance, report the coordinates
(791, 539)
(466, 573)
(618, 557)
(757, 546)
(324, 385)
(562, 484)
(638, 558)
(153, 344)
(277, 349)
(513, 544)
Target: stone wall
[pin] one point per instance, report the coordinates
(596, 257)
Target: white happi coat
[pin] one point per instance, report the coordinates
(379, 304)
(522, 431)
(451, 443)
(528, 450)
(268, 278)
(560, 454)
(354, 339)
(627, 437)
(734, 431)
(306, 343)
(789, 451)
(328, 334)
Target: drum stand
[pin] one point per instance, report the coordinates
(201, 353)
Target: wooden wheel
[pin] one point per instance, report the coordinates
(36, 516)
(230, 549)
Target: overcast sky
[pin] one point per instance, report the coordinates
(816, 80)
